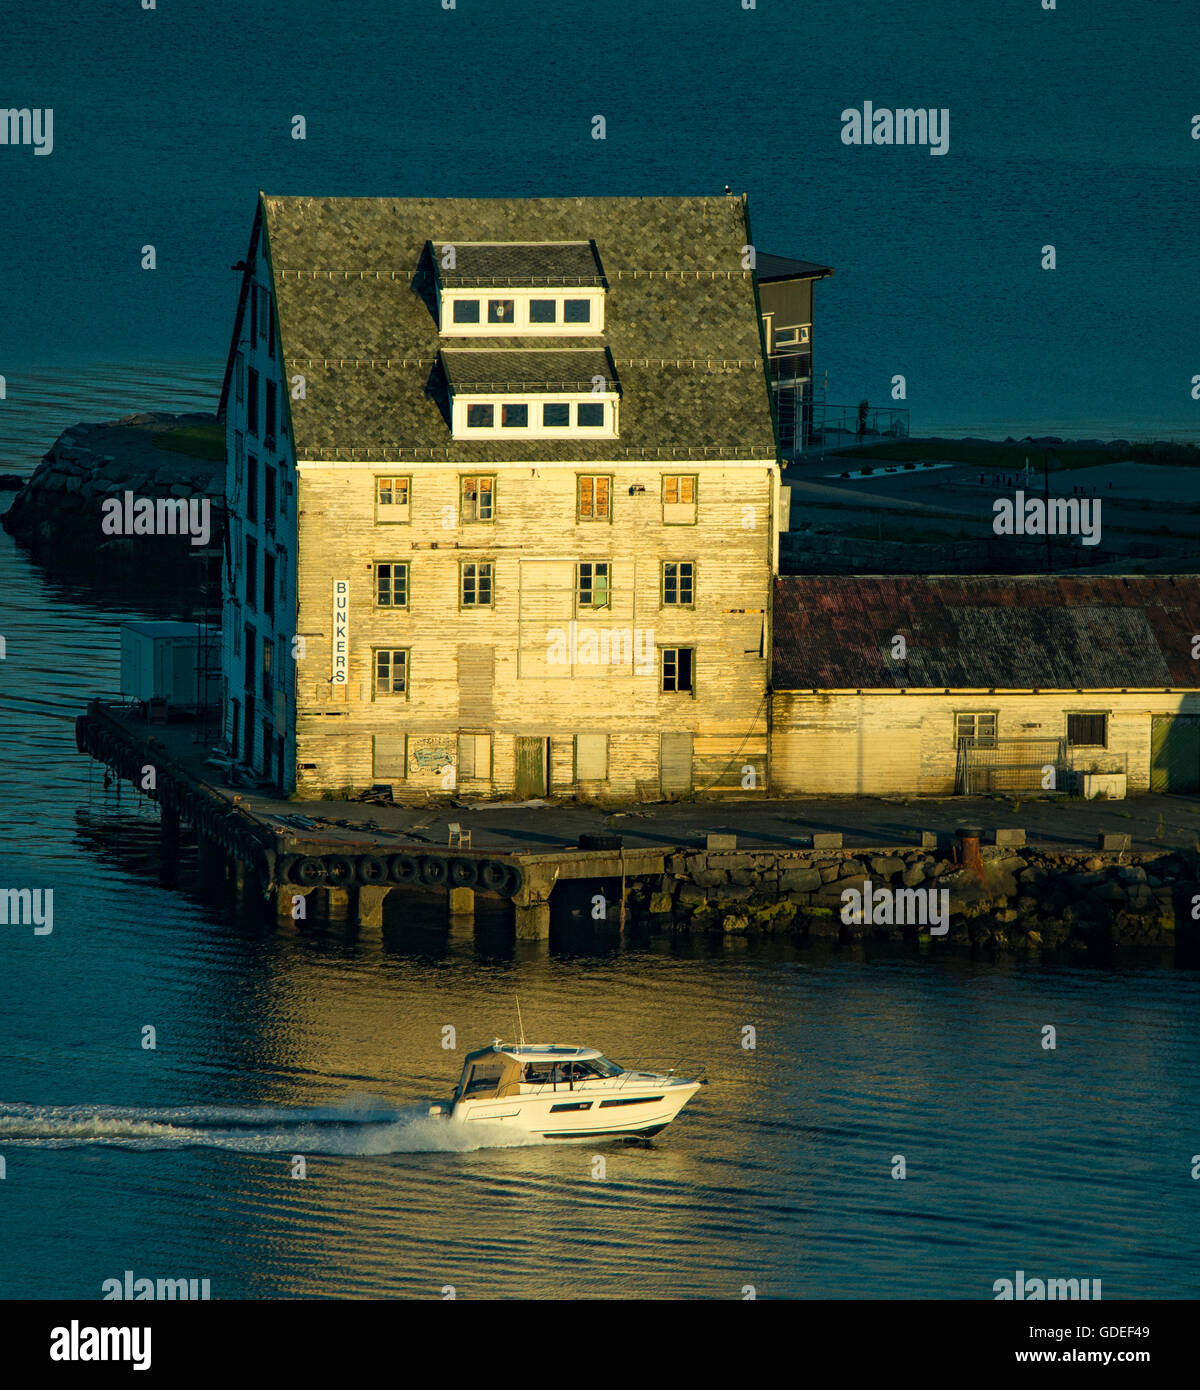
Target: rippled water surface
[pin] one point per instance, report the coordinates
(179, 1161)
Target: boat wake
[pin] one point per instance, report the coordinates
(359, 1126)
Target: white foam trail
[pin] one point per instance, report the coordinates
(360, 1126)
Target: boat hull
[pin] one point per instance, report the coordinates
(604, 1113)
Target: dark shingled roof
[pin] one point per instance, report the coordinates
(517, 263)
(985, 632)
(356, 299)
(770, 267)
(500, 371)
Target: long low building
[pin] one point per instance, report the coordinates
(893, 685)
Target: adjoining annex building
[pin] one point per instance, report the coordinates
(934, 686)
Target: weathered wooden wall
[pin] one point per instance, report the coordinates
(534, 543)
(886, 743)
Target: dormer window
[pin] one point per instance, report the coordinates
(492, 289)
(539, 393)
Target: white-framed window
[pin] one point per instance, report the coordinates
(796, 336)
(587, 414)
(548, 311)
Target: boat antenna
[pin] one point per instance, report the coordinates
(520, 1025)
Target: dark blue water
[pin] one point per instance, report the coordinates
(178, 1161)
(1070, 128)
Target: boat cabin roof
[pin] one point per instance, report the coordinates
(529, 1052)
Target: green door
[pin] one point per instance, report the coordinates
(531, 768)
(1175, 753)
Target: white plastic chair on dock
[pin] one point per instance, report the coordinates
(458, 836)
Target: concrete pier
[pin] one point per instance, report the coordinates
(368, 905)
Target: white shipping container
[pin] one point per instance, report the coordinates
(162, 661)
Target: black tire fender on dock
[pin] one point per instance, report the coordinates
(310, 871)
(339, 870)
(433, 871)
(285, 870)
(597, 841)
(464, 873)
(402, 868)
(372, 870)
(493, 875)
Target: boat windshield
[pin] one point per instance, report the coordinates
(605, 1067)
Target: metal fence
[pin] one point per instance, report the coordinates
(1011, 765)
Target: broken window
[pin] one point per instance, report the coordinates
(677, 668)
(980, 729)
(593, 584)
(478, 497)
(391, 584)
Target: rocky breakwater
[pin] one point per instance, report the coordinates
(143, 493)
(1013, 901)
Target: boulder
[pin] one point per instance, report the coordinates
(885, 865)
(800, 880)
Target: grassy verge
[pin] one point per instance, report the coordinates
(197, 441)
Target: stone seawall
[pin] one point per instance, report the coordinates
(1015, 900)
(58, 513)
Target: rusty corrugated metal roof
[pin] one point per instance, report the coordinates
(986, 632)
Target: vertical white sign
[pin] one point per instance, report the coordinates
(341, 631)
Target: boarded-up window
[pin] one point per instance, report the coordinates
(1087, 730)
(392, 499)
(591, 757)
(476, 680)
(390, 757)
(475, 757)
(595, 498)
(679, 499)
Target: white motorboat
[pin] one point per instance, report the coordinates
(562, 1092)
